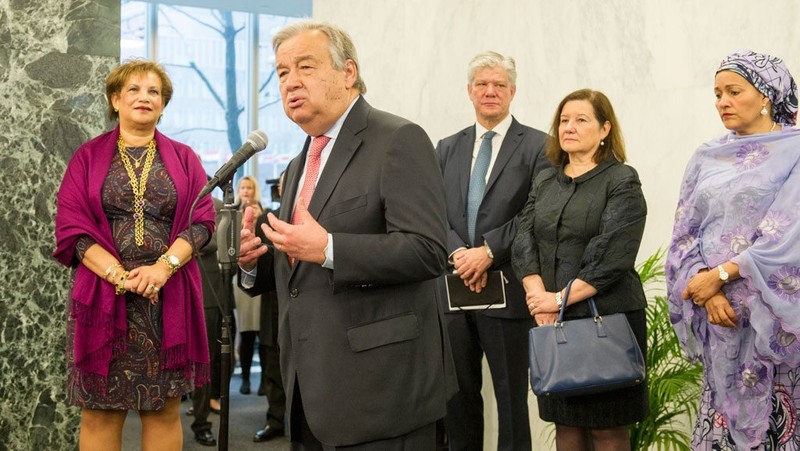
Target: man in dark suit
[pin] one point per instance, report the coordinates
(359, 241)
(488, 168)
(268, 349)
(217, 304)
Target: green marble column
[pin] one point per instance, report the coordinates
(54, 57)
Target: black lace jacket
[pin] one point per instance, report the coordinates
(589, 228)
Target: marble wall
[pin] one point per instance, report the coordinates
(654, 59)
(54, 57)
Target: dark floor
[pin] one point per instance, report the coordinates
(247, 414)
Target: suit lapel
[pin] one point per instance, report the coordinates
(465, 146)
(507, 150)
(345, 146)
(293, 173)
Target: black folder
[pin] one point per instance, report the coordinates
(460, 297)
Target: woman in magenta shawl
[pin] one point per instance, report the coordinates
(136, 332)
(733, 268)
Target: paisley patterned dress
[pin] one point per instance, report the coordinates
(136, 379)
(740, 201)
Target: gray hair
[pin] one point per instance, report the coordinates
(340, 46)
(491, 59)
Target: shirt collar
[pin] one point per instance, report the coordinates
(333, 132)
(501, 129)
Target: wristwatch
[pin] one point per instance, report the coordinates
(723, 275)
(172, 261)
(488, 250)
(559, 299)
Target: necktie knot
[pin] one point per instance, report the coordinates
(317, 144)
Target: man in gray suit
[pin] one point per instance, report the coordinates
(488, 169)
(359, 241)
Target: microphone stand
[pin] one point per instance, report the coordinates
(228, 239)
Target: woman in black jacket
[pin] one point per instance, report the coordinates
(584, 220)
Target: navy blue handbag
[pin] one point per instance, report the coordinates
(584, 356)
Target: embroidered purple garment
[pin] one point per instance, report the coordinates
(100, 314)
(740, 201)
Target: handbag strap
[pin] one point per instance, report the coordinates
(592, 305)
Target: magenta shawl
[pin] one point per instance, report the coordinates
(100, 314)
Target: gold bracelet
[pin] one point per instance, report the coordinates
(120, 287)
(110, 269)
(172, 262)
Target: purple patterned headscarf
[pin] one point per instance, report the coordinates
(771, 77)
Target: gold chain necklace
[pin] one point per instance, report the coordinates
(138, 186)
(136, 161)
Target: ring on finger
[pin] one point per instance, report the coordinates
(151, 287)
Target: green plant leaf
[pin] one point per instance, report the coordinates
(674, 382)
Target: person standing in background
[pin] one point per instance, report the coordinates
(248, 310)
(584, 221)
(358, 244)
(216, 305)
(733, 267)
(136, 337)
(488, 168)
(248, 194)
(268, 349)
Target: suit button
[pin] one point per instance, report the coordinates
(293, 293)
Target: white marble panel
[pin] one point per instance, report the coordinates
(655, 60)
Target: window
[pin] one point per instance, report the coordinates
(222, 69)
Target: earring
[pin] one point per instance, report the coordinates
(764, 111)
(602, 143)
(116, 110)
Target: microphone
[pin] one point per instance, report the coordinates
(256, 142)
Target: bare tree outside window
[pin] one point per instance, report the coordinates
(207, 55)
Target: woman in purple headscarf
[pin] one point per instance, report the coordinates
(136, 337)
(733, 268)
